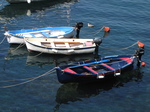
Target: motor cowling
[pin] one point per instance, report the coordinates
(139, 52)
(79, 25)
(97, 41)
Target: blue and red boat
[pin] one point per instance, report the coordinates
(95, 70)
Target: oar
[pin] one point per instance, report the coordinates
(102, 61)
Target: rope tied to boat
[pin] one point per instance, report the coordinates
(30, 79)
(120, 48)
(20, 45)
(97, 31)
(3, 40)
(38, 54)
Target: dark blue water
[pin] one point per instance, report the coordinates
(23, 90)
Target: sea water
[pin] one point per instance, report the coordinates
(28, 82)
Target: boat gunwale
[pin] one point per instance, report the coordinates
(62, 48)
(95, 75)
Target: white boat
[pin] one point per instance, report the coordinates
(17, 36)
(60, 46)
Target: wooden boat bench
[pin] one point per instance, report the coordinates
(107, 66)
(90, 70)
(33, 35)
(62, 44)
(45, 34)
(69, 70)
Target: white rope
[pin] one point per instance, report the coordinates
(32, 79)
(37, 54)
(3, 40)
(20, 45)
(96, 32)
(120, 48)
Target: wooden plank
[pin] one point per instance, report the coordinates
(69, 70)
(33, 35)
(90, 69)
(45, 34)
(105, 65)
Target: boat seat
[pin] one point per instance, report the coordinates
(107, 66)
(128, 60)
(69, 70)
(45, 34)
(90, 70)
(33, 35)
(67, 44)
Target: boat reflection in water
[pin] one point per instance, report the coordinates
(46, 59)
(72, 92)
(12, 11)
(41, 59)
(16, 51)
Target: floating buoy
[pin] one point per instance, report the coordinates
(143, 64)
(140, 44)
(106, 29)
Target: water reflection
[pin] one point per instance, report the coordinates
(13, 10)
(16, 51)
(72, 92)
(39, 59)
(44, 59)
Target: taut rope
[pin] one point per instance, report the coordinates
(30, 79)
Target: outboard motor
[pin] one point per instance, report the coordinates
(78, 26)
(97, 41)
(139, 52)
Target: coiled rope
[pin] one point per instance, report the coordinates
(30, 79)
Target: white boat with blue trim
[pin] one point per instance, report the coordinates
(17, 36)
(60, 46)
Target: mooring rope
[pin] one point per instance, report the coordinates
(31, 79)
(17, 79)
(120, 48)
(20, 45)
(37, 54)
(3, 40)
(99, 30)
(96, 32)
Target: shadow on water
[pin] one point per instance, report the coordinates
(13, 10)
(73, 92)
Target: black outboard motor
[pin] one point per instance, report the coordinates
(139, 52)
(97, 41)
(78, 26)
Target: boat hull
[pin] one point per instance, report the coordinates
(17, 36)
(69, 77)
(58, 50)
